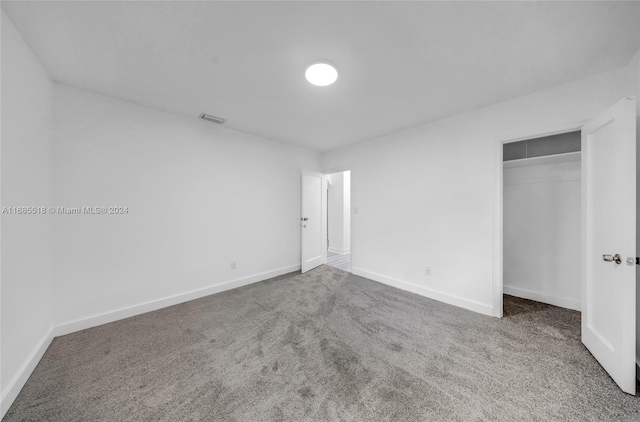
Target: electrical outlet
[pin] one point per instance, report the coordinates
(234, 264)
(427, 270)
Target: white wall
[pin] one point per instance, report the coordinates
(199, 196)
(634, 67)
(26, 170)
(428, 196)
(542, 229)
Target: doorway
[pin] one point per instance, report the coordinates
(542, 220)
(339, 220)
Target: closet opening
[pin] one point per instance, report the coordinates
(542, 223)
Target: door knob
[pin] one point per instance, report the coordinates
(304, 219)
(613, 258)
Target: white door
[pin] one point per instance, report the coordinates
(313, 221)
(609, 241)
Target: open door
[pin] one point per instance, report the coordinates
(313, 221)
(609, 241)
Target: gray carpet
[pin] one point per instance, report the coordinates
(325, 346)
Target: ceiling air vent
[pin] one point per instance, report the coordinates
(210, 118)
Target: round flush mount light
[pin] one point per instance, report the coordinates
(321, 74)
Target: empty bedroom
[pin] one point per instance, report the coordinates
(319, 210)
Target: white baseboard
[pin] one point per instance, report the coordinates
(111, 316)
(424, 291)
(541, 297)
(340, 251)
(20, 379)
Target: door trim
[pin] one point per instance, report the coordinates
(498, 218)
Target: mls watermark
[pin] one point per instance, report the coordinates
(85, 210)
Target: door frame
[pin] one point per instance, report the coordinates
(498, 221)
(351, 208)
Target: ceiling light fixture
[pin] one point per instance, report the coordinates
(321, 74)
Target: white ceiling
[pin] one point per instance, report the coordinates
(400, 63)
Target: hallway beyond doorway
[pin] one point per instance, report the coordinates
(342, 262)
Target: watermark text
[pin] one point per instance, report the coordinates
(60, 210)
